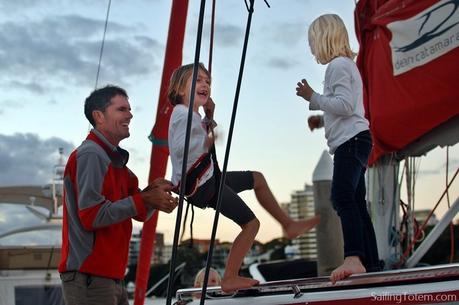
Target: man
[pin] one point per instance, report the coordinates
(101, 196)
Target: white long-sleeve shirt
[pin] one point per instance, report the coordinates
(176, 141)
(341, 102)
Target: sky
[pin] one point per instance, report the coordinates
(49, 52)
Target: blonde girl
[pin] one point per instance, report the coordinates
(348, 138)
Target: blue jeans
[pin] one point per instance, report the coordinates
(348, 197)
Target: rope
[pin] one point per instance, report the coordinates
(185, 154)
(211, 42)
(411, 245)
(184, 221)
(191, 225)
(209, 68)
(209, 127)
(451, 225)
(101, 51)
(227, 152)
(191, 222)
(102, 44)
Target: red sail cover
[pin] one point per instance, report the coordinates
(160, 151)
(409, 60)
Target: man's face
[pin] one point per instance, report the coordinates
(114, 121)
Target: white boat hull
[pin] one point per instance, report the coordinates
(430, 285)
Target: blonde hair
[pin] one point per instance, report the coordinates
(328, 38)
(178, 82)
(199, 279)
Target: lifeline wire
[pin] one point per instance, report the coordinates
(228, 147)
(102, 44)
(185, 155)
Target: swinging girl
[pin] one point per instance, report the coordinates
(202, 189)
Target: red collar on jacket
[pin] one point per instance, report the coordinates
(118, 155)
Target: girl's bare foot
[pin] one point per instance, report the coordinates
(233, 283)
(351, 265)
(298, 227)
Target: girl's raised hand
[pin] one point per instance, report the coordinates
(304, 90)
(209, 108)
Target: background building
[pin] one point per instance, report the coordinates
(162, 252)
(301, 206)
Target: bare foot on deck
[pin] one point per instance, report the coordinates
(233, 283)
(351, 265)
(298, 227)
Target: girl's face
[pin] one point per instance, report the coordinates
(202, 92)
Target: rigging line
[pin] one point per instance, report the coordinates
(228, 147)
(101, 51)
(191, 222)
(395, 202)
(184, 221)
(102, 44)
(251, 8)
(447, 169)
(211, 43)
(411, 245)
(185, 154)
(191, 225)
(415, 177)
(209, 68)
(451, 225)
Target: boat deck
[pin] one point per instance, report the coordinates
(426, 285)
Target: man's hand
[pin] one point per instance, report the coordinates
(209, 108)
(304, 90)
(158, 195)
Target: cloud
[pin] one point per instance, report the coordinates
(15, 216)
(17, 5)
(35, 55)
(31, 86)
(282, 63)
(11, 104)
(8, 104)
(26, 159)
(288, 33)
(27, 5)
(227, 35)
(453, 164)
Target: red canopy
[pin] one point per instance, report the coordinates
(409, 61)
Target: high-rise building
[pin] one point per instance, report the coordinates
(301, 206)
(161, 255)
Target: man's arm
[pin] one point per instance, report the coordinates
(96, 211)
